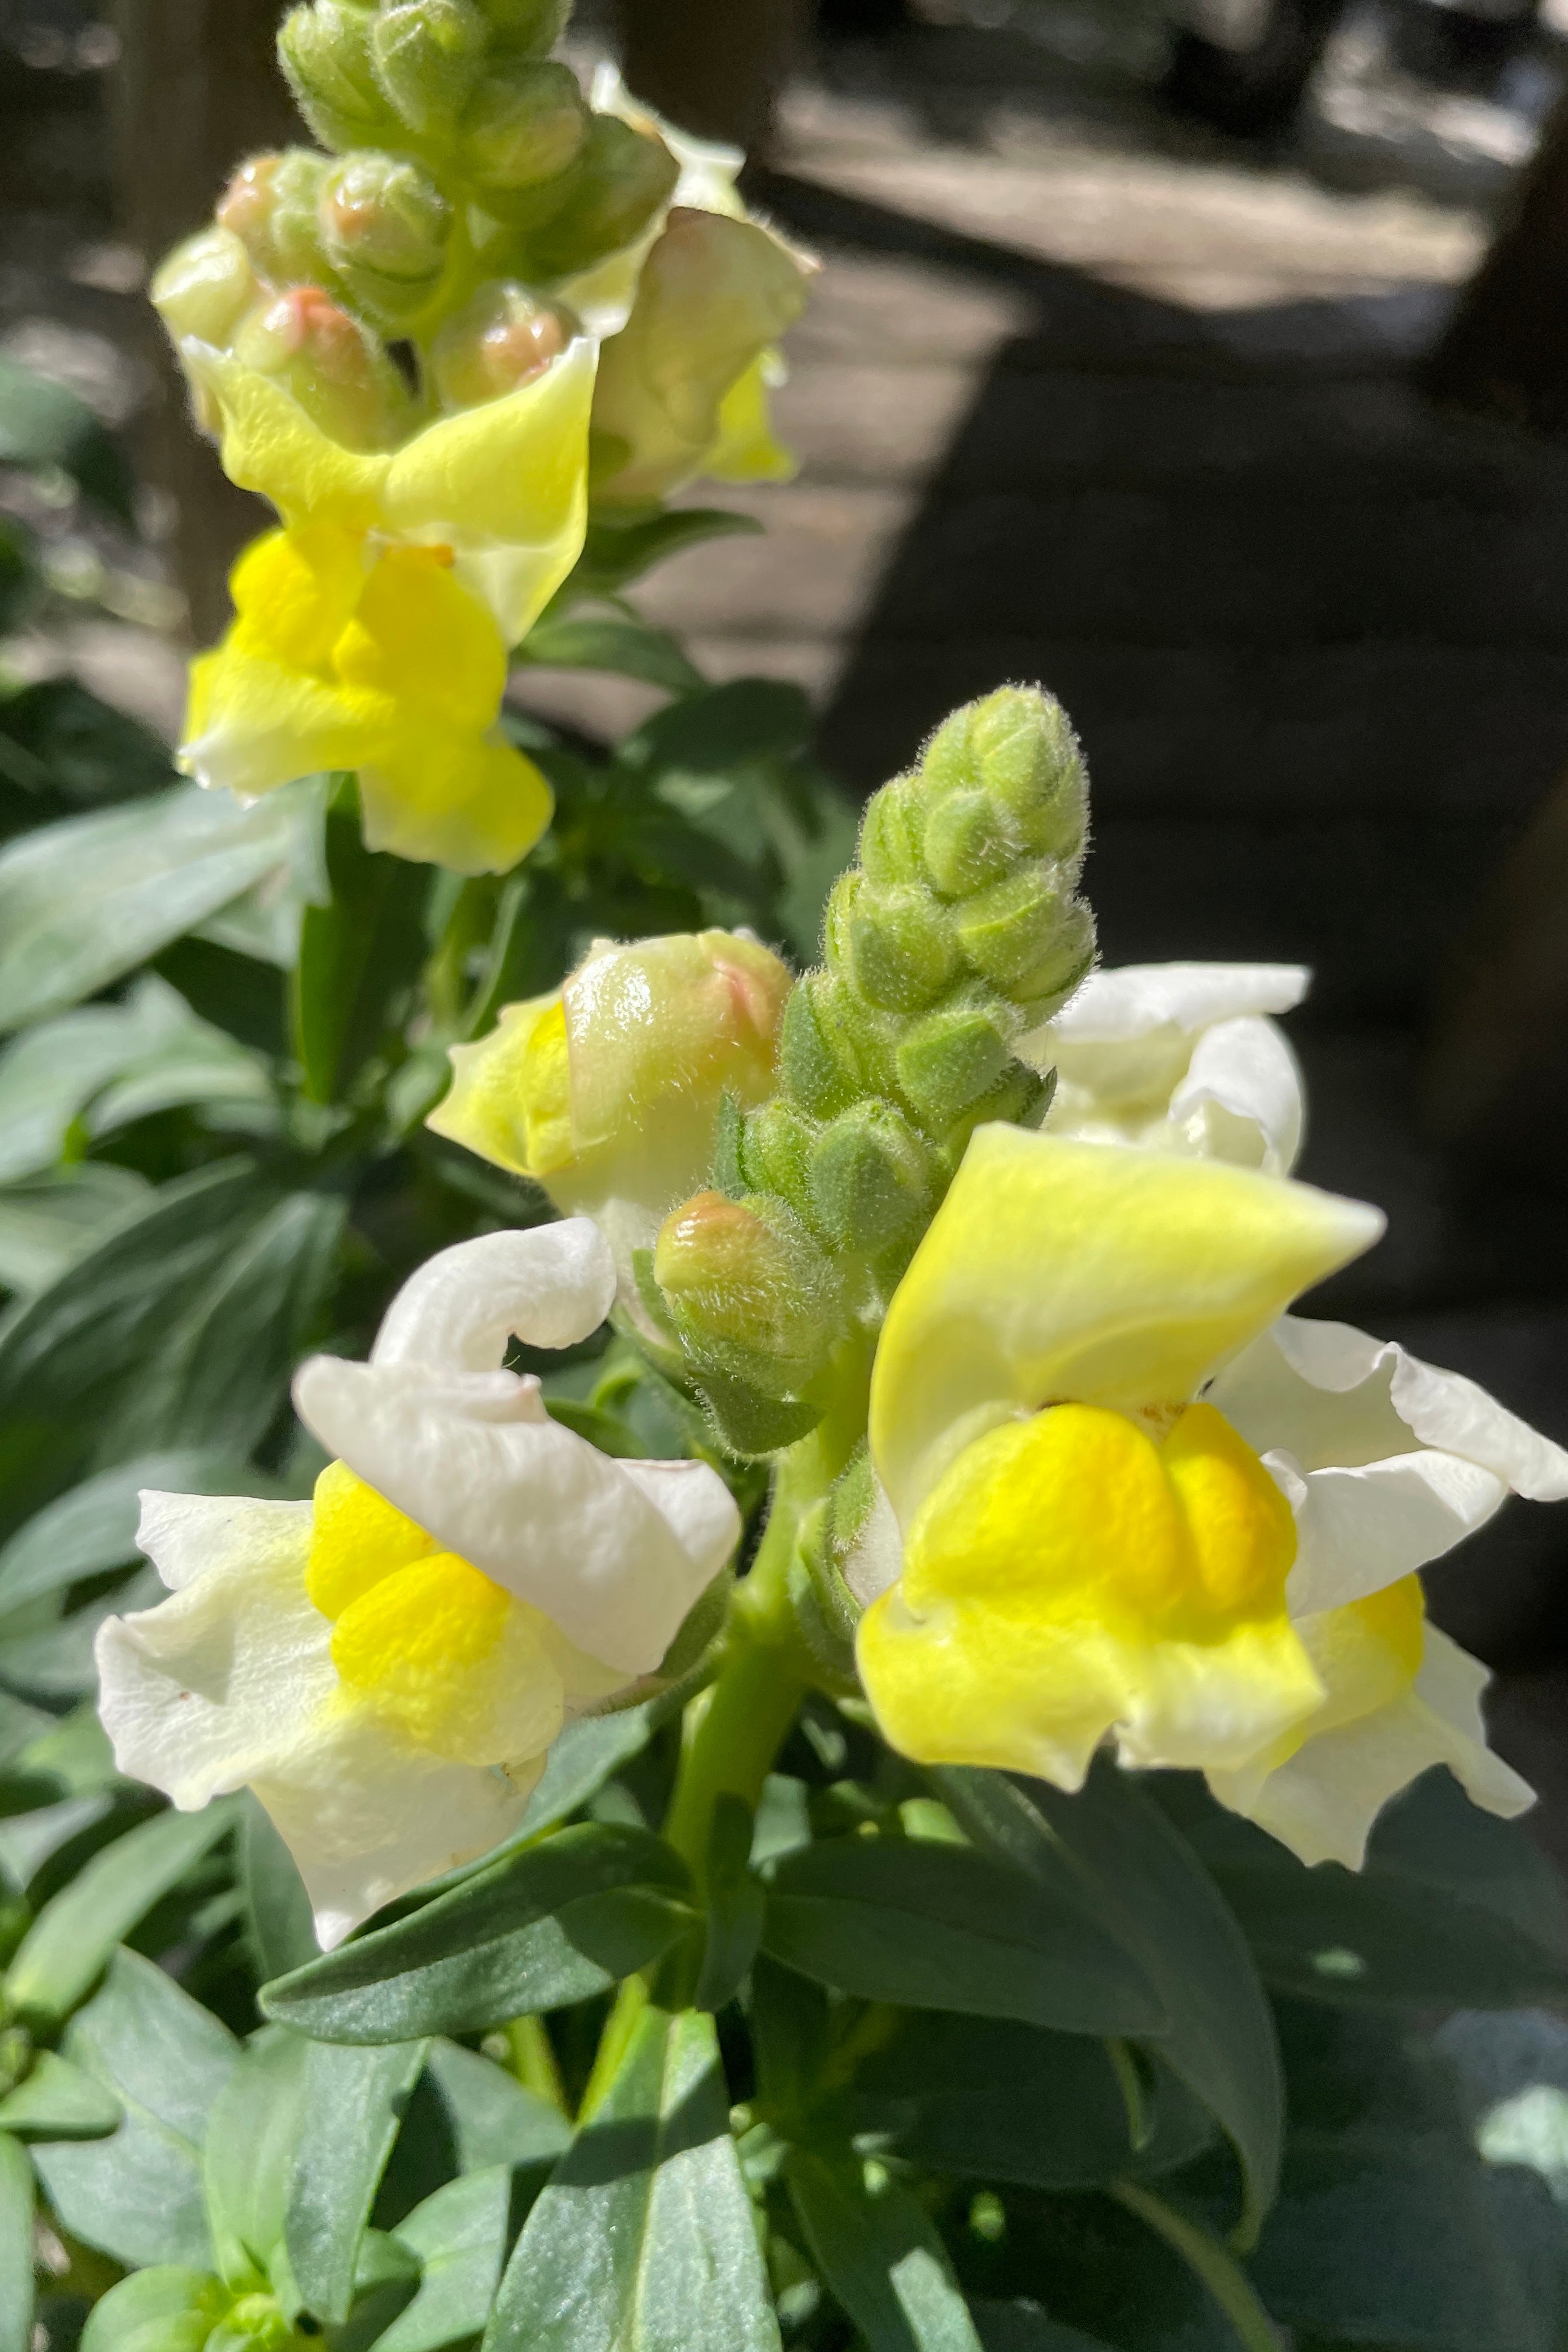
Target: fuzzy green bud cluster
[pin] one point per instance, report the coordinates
(464, 112)
(958, 929)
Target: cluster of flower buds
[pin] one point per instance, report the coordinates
(958, 932)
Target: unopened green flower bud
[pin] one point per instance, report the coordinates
(205, 288)
(891, 835)
(1027, 936)
(896, 942)
(338, 372)
(428, 54)
(816, 1057)
(525, 123)
(499, 341)
(747, 1289)
(872, 1177)
(967, 842)
(775, 1153)
(385, 225)
(526, 27)
(1018, 747)
(619, 180)
(951, 1057)
(325, 53)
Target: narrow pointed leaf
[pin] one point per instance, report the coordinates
(643, 2238)
(460, 2237)
(16, 2246)
(56, 2100)
(354, 2103)
(71, 1938)
(879, 2258)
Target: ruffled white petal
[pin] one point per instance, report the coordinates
(205, 1691)
(1242, 1098)
(549, 1287)
(1328, 1393)
(1323, 1802)
(473, 1459)
(1130, 1000)
(1363, 1528)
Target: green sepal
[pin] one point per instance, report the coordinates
(749, 1422)
(951, 1057)
(872, 1177)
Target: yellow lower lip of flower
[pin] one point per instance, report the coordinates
(427, 1640)
(1069, 1577)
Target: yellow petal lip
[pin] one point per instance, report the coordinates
(1069, 1577)
(1056, 1270)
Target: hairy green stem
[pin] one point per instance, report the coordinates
(1208, 2261)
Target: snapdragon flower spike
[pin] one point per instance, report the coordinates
(387, 1665)
(1125, 1496)
(1179, 1058)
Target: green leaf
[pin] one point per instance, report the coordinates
(15, 2247)
(110, 1064)
(71, 752)
(219, 1374)
(163, 2310)
(1150, 1890)
(587, 1754)
(643, 2238)
(93, 1527)
(618, 642)
(56, 2100)
(552, 1925)
(724, 728)
(879, 2257)
(71, 1345)
(617, 553)
(460, 2237)
(47, 1222)
(1453, 1908)
(45, 424)
(992, 2100)
(137, 2195)
(278, 1908)
(85, 901)
(253, 2140)
(70, 1941)
(935, 1926)
(491, 2118)
(354, 2103)
(359, 955)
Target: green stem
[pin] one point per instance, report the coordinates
(531, 2058)
(1208, 2261)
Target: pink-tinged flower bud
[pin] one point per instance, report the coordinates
(748, 1289)
(384, 224)
(502, 338)
(271, 206)
(338, 373)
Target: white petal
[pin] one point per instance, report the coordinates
(1323, 1802)
(186, 1535)
(1131, 999)
(1243, 1076)
(1359, 1530)
(548, 1287)
(201, 1692)
(367, 1815)
(558, 1524)
(876, 1558)
(698, 1507)
(1331, 1394)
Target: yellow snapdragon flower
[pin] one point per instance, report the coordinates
(371, 632)
(1124, 1495)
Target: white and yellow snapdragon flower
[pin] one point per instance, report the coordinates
(1179, 1058)
(373, 630)
(1125, 1496)
(387, 1665)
